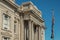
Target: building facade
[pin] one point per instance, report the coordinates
(20, 22)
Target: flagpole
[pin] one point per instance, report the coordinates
(52, 34)
(53, 22)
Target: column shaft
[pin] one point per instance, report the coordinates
(22, 28)
(30, 30)
(39, 34)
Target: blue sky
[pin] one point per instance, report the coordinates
(45, 6)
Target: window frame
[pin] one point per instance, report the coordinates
(8, 23)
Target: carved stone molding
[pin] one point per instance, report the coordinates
(6, 34)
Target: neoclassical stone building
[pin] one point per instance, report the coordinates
(20, 22)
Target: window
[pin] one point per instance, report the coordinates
(5, 38)
(5, 21)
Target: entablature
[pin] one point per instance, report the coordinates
(29, 6)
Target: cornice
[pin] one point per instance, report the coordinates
(34, 10)
(13, 5)
(30, 3)
(36, 16)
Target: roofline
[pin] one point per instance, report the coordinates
(32, 5)
(13, 4)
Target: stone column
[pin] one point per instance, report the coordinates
(39, 33)
(42, 33)
(19, 30)
(0, 23)
(30, 30)
(25, 34)
(35, 35)
(22, 27)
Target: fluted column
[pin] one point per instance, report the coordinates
(0, 23)
(35, 34)
(30, 30)
(25, 34)
(22, 27)
(19, 30)
(39, 33)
